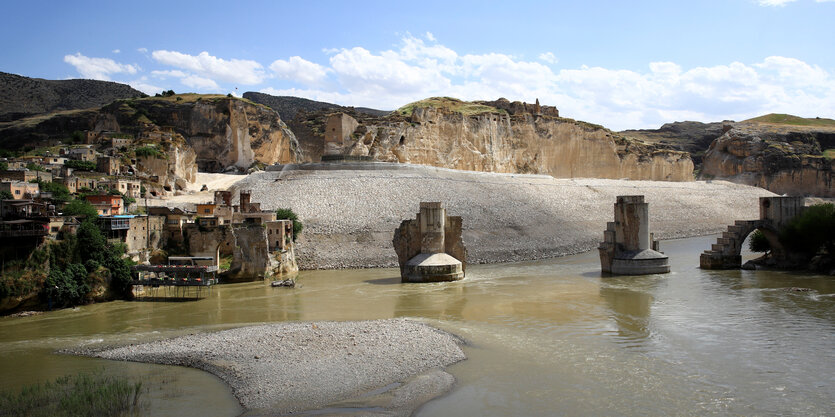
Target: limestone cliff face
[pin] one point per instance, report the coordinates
(519, 143)
(172, 172)
(227, 132)
(787, 161)
(223, 132)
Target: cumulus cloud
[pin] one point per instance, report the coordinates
(301, 70)
(548, 57)
(98, 68)
(208, 67)
(616, 98)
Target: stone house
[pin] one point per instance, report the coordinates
(108, 165)
(130, 188)
(107, 205)
(25, 175)
(19, 189)
(279, 234)
(84, 153)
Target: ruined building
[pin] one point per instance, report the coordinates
(430, 248)
(627, 247)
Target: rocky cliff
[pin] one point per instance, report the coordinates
(288, 106)
(688, 136)
(23, 96)
(496, 137)
(223, 132)
(793, 160)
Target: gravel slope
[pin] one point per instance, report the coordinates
(350, 214)
(289, 367)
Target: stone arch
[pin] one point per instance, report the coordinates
(726, 252)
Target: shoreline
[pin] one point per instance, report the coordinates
(378, 367)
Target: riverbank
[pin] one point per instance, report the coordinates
(350, 211)
(380, 367)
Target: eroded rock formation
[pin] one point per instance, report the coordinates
(784, 161)
(511, 138)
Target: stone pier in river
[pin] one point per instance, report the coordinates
(627, 247)
(430, 248)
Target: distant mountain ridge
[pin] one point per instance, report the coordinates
(288, 106)
(23, 96)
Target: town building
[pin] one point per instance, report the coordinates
(19, 189)
(107, 205)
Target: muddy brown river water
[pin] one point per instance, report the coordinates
(548, 337)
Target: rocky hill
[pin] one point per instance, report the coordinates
(23, 96)
(784, 154)
(223, 132)
(692, 137)
(288, 106)
(497, 136)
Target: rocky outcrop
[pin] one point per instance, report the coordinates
(495, 141)
(24, 97)
(223, 132)
(288, 106)
(691, 137)
(782, 160)
(174, 171)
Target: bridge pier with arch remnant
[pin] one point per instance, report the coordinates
(775, 212)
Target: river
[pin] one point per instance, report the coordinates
(549, 337)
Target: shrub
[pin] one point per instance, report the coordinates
(758, 242)
(80, 165)
(5, 195)
(288, 214)
(811, 231)
(59, 191)
(79, 207)
(35, 167)
(149, 152)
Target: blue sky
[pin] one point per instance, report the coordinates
(620, 64)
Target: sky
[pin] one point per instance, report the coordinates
(621, 64)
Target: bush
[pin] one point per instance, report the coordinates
(811, 231)
(288, 214)
(149, 152)
(5, 195)
(758, 242)
(80, 165)
(79, 207)
(59, 191)
(35, 167)
(3, 166)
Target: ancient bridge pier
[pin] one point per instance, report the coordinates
(627, 247)
(430, 248)
(775, 212)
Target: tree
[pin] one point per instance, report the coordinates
(59, 191)
(5, 195)
(80, 165)
(91, 243)
(758, 242)
(288, 214)
(811, 231)
(34, 167)
(3, 166)
(79, 207)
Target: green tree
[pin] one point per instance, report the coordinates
(59, 191)
(91, 243)
(34, 167)
(79, 207)
(80, 165)
(758, 242)
(811, 231)
(3, 166)
(5, 195)
(288, 214)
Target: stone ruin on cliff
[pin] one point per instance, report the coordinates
(430, 248)
(628, 247)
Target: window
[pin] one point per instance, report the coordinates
(17, 192)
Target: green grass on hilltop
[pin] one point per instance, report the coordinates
(449, 103)
(787, 119)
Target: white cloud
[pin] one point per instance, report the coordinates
(163, 74)
(238, 71)
(142, 50)
(430, 37)
(616, 98)
(98, 68)
(548, 57)
(116, 51)
(774, 3)
(144, 86)
(300, 70)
